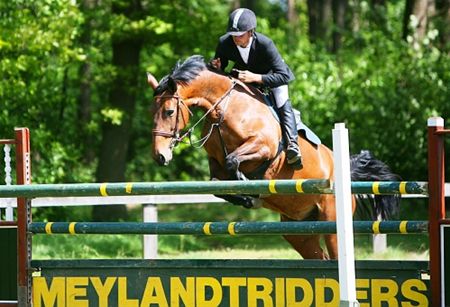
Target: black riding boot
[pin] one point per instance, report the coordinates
(290, 134)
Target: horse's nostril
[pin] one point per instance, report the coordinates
(161, 159)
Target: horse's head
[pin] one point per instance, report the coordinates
(188, 84)
(170, 116)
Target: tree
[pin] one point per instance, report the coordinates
(415, 20)
(116, 131)
(293, 23)
(85, 75)
(442, 21)
(339, 16)
(379, 15)
(327, 22)
(320, 16)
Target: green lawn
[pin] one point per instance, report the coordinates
(190, 247)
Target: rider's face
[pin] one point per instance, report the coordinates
(242, 40)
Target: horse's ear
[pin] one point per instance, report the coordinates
(172, 85)
(152, 81)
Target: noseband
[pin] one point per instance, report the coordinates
(175, 135)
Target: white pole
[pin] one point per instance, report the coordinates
(344, 216)
(9, 214)
(150, 242)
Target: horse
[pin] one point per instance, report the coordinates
(243, 140)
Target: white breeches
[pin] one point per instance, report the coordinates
(281, 94)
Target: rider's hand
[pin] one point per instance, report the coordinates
(249, 77)
(216, 63)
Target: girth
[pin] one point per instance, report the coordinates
(259, 172)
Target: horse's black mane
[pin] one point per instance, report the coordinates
(182, 73)
(185, 72)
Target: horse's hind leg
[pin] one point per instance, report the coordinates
(308, 246)
(327, 212)
(331, 242)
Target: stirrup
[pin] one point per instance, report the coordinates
(296, 163)
(294, 158)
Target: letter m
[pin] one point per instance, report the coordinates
(49, 297)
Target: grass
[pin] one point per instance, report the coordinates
(179, 247)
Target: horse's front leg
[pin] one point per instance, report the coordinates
(254, 149)
(217, 172)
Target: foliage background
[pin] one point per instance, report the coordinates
(383, 87)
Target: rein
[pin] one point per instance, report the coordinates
(175, 135)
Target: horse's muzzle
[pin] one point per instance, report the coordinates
(163, 159)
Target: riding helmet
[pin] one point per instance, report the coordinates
(241, 21)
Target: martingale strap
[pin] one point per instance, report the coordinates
(203, 140)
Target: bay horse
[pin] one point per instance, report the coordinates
(242, 139)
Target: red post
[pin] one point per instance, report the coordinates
(23, 173)
(436, 202)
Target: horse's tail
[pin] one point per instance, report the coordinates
(364, 167)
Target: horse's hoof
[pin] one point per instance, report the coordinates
(247, 202)
(231, 163)
(257, 203)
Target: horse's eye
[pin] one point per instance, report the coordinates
(169, 112)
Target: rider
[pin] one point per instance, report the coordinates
(258, 61)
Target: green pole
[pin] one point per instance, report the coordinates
(224, 228)
(258, 187)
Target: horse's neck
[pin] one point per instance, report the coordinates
(207, 90)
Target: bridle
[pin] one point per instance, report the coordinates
(175, 134)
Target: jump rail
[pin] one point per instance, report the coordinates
(227, 228)
(264, 187)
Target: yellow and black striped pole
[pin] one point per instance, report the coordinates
(267, 187)
(225, 228)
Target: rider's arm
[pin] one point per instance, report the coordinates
(280, 73)
(221, 54)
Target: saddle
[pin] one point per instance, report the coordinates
(269, 99)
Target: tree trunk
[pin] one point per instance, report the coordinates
(379, 14)
(116, 137)
(85, 77)
(320, 22)
(443, 24)
(313, 19)
(292, 18)
(249, 4)
(418, 9)
(339, 12)
(235, 4)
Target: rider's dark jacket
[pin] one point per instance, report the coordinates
(263, 59)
